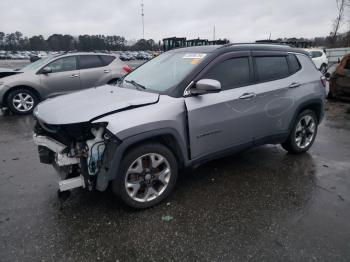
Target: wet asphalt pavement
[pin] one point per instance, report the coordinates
(260, 205)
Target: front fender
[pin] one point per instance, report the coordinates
(146, 136)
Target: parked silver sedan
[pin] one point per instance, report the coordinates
(21, 90)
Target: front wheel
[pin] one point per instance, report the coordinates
(303, 133)
(22, 101)
(147, 176)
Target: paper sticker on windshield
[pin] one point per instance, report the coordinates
(194, 56)
(195, 61)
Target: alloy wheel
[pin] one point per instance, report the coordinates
(23, 102)
(147, 177)
(305, 131)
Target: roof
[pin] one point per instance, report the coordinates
(85, 53)
(240, 47)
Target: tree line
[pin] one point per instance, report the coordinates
(57, 42)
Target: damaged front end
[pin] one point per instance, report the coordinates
(81, 153)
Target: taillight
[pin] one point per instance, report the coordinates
(323, 81)
(127, 69)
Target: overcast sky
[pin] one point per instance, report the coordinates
(238, 20)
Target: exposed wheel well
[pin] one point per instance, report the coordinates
(167, 140)
(113, 80)
(316, 107)
(19, 87)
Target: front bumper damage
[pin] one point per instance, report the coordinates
(79, 162)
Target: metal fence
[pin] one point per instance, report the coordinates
(334, 55)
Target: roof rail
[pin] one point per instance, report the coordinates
(255, 43)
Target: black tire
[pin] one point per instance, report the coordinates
(22, 110)
(119, 184)
(291, 144)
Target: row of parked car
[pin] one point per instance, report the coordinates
(35, 55)
(25, 55)
(137, 55)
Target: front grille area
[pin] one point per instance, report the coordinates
(66, 134)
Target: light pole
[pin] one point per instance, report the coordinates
(143, 23)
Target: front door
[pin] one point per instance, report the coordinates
(64, 77)
(223, 120)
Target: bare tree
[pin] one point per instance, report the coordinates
(337, 22)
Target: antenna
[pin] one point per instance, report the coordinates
(143, 23)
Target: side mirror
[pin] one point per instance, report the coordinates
(206, 86)
(46, 70)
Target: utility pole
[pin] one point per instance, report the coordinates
(214, 34)
(143, 22)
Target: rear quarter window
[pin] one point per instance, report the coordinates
(107, 59)
(294, 64)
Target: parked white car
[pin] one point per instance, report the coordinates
(319, 58)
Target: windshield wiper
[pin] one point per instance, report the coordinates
(134, 83)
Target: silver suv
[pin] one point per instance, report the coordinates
(183, 108)
(56, 75)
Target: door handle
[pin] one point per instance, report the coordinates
(107, 71)
(247, 96)
(294, 85)
(72, 76)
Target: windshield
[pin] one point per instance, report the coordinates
(164, 71)
(37, 64)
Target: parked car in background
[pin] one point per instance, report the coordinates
(339, 80)
(36, 56)
(319, 58)
(180, 109)
(56, 75)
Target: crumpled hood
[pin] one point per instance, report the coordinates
(89, 104)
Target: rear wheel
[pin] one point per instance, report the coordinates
(22, 101)
(147, 176)
(303, 133)
(323, 68)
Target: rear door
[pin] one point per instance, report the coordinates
(223, 120)
(276, 78)
(92, 70)
(64, 77)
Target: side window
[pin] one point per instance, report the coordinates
(107, 59)
(89, 61)
(294, 65)
(315, 54)
(64, 64)
(231, 73)
(271, 67)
